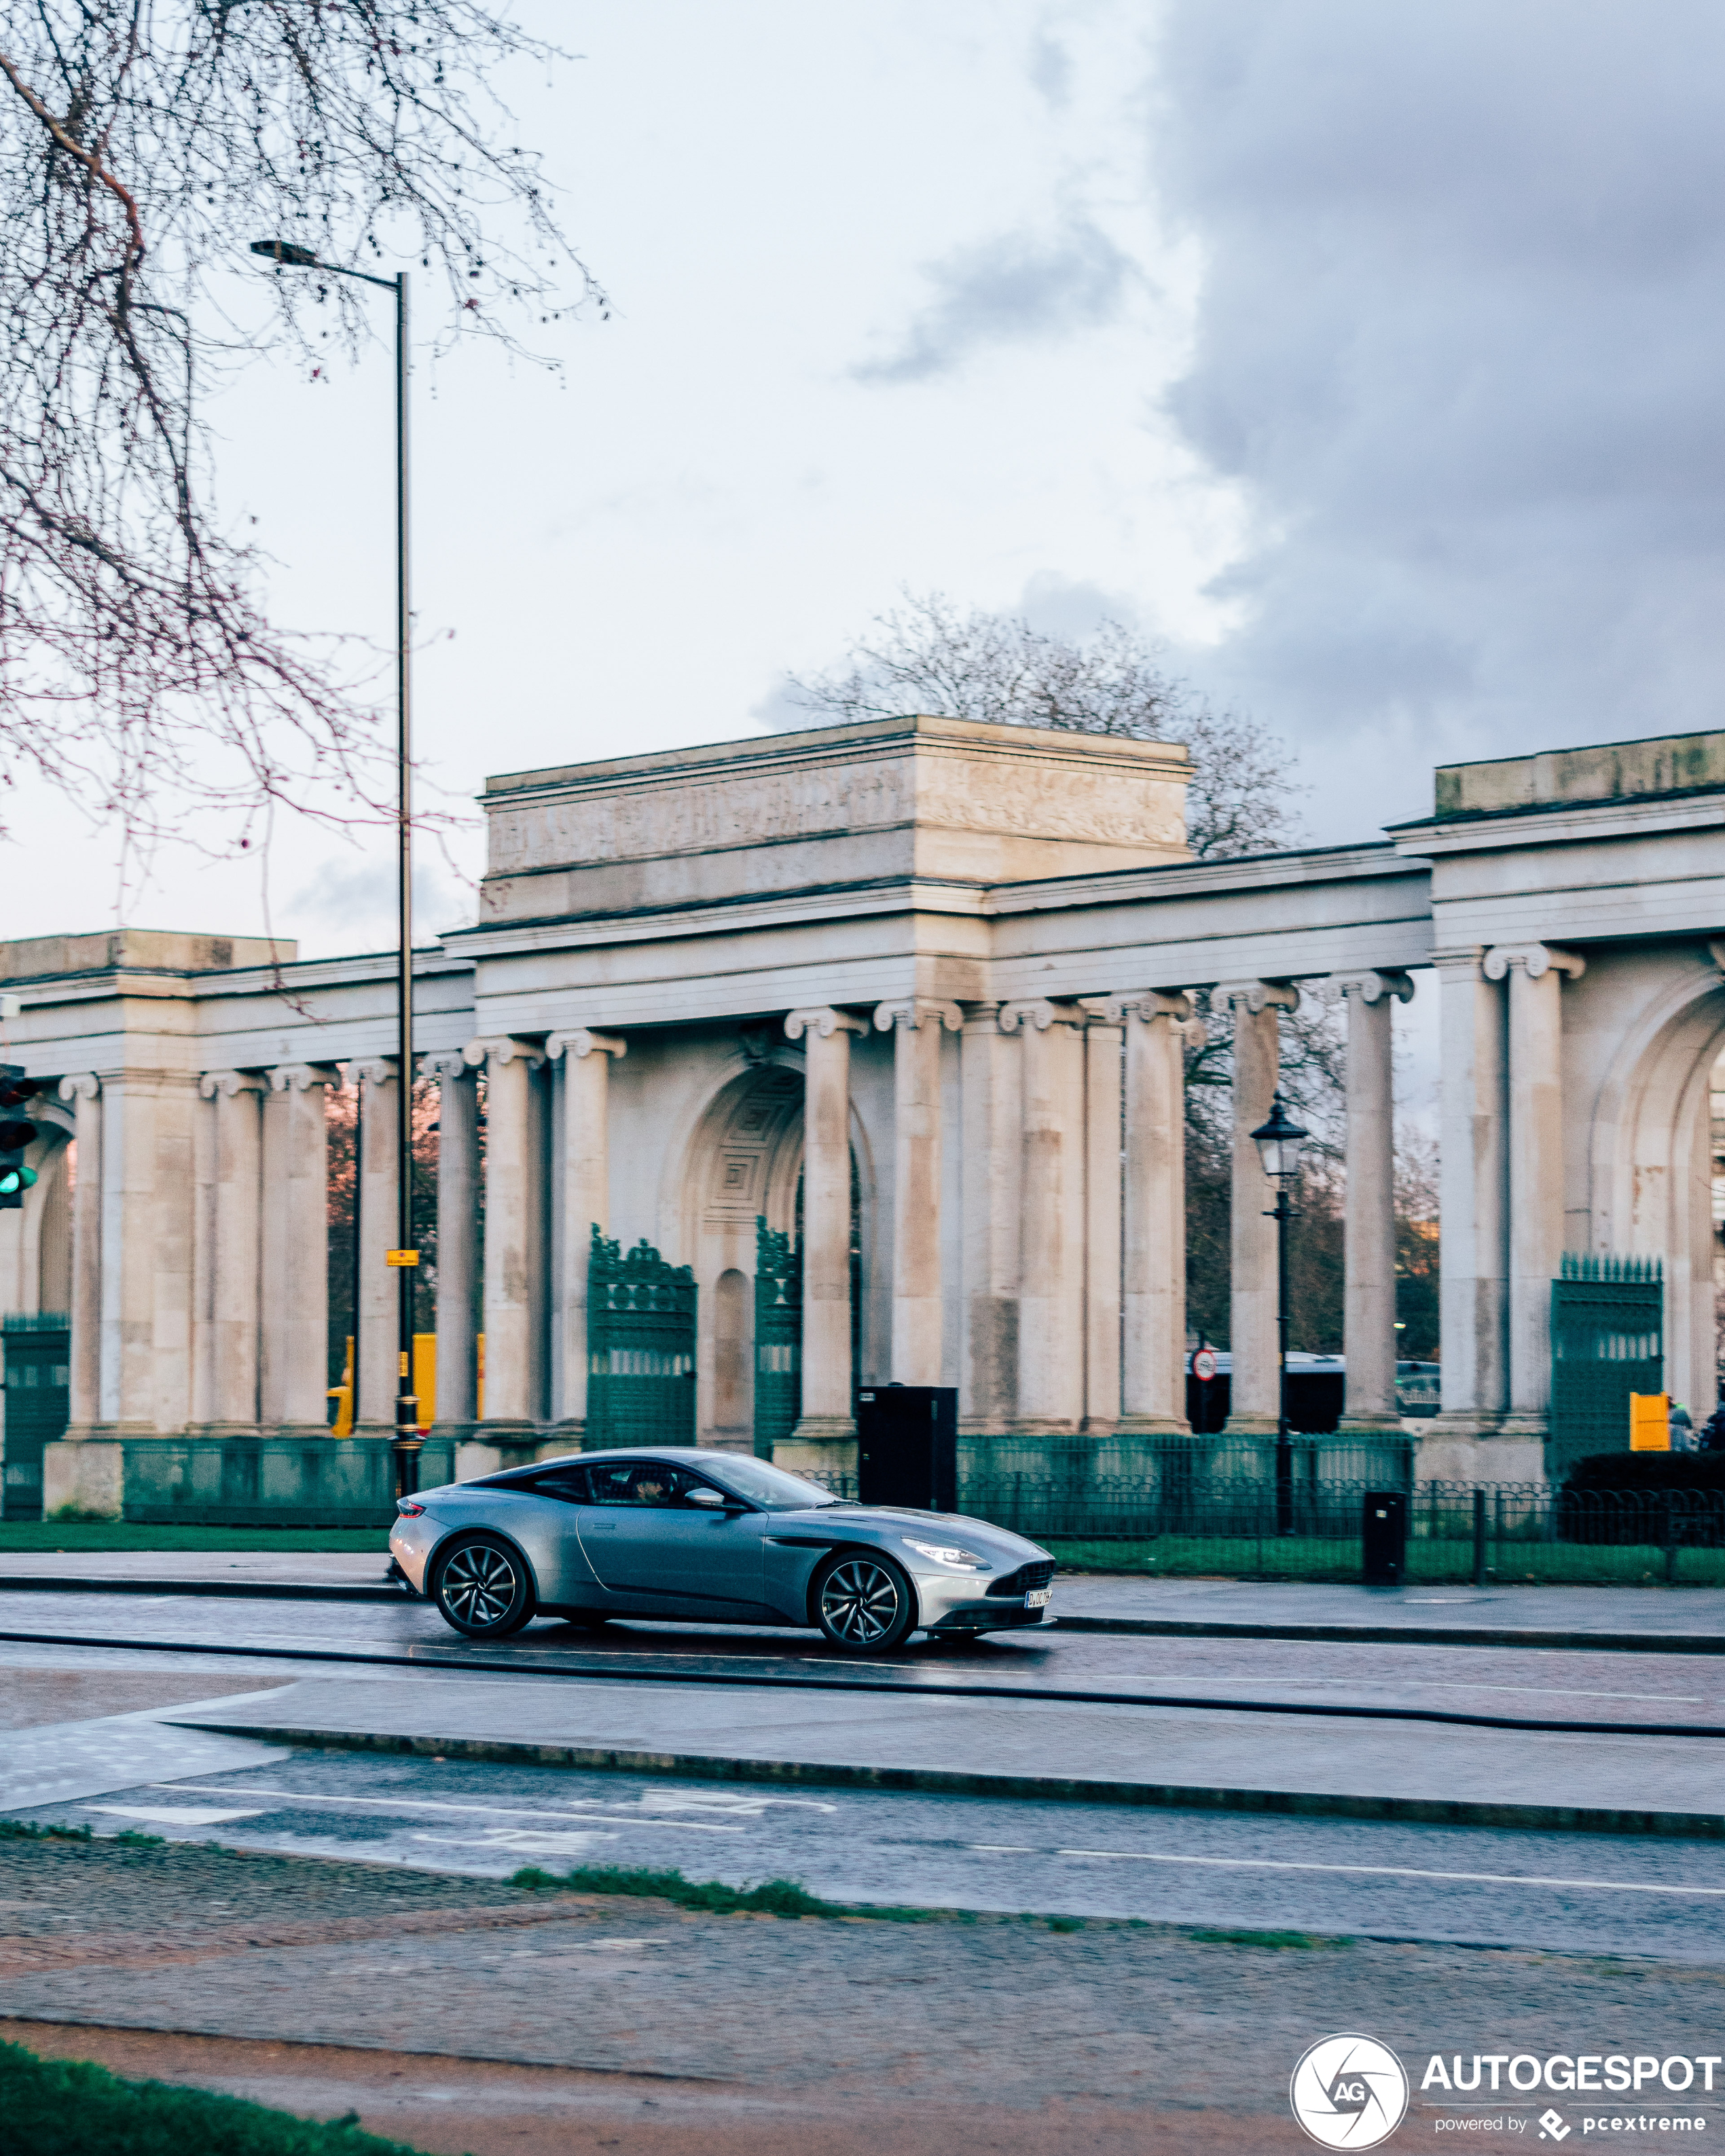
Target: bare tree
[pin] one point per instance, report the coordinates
(928, 655)
(145, 143)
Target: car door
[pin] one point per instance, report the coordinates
(566, 1577)
(658, 1555)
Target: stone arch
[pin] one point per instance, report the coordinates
(1649, 1179)
(742, 1160)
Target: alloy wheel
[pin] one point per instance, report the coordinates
(480, 1585)
(860, 1602)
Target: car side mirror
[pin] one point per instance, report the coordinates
(709, 1501)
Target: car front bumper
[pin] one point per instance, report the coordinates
(955, 1602)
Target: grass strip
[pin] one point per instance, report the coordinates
(773, 1897)
(68, 2107)
(1432, 1562)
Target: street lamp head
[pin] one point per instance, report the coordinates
(288, 252)
(1278, 1142)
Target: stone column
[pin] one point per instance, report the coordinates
(1368, 1224)
(1102, 1202)
(293, 1379)
(917, 1025)
(147, 1210)
(1535, 974)
(1159, 1027)
(376, 1331)
(1051, 1283)
(1254, 1404)
(514, 1252)
(585, 1195)
(225, 1330)
(85, 1092)
(1473, 1201)
(992, 1163)
(458, 1175)
(825, 1435)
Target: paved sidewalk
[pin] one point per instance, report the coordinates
(1169, 1756)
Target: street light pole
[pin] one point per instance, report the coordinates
(1278, 1142)
(405, 1257)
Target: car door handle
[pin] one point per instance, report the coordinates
(598, 1527)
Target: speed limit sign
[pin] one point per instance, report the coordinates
(1203, 1365)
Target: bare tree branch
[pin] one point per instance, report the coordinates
(146, 144)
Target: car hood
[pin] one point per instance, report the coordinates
(942, 1527)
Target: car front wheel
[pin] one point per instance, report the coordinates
(483, 1588)
(863, 1604)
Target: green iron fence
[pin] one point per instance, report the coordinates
(1607, 1342)
(640, 1386)
(778, 1337)
(36, 1349)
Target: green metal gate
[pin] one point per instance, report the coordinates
(640, 1348)
(38, 1353)
(778, 1337)
(1607, 1342)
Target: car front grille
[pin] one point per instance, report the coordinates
(1026, 1579)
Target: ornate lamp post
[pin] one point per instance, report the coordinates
(286, 253)
(1279, 1141)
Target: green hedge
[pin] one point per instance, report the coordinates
(65, 2107)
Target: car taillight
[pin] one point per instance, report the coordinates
(407, 1509)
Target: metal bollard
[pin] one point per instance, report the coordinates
(1479, 1538)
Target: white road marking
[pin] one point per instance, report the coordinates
(1395, 1871)
(171, 1814)
(519, 1841)
(612, 1818)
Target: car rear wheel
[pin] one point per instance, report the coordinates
(863, 1604)
(483, 1588)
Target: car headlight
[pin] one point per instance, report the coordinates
(948, 1554)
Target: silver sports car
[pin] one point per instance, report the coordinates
(712, 1539)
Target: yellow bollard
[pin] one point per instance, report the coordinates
(343, 1394)
(1650, 1422)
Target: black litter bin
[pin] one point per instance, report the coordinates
(907, 1446)
(1384, 1539)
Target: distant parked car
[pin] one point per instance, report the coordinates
(712, 1539)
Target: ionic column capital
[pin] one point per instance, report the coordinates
(581, 1042)
(451, 1064)
(81, 1085)
(378, 1069)
(823, 1019)
(229, 1084)
(1039, 1014)
(911, 1012)
(1172, 1007)
(503, 1048)
(1535, 960)
(1257, 996)
(1370, 986)
(300, 1077)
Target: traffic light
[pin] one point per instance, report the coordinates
(16, 1132)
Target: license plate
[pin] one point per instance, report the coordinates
(1038, 1597)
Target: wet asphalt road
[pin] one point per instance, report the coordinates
(1559, 1684)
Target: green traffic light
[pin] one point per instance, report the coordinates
(13, 1180)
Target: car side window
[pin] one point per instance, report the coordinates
(640, 1482)
(567, 1484)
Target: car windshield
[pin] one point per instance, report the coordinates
(772, 1488)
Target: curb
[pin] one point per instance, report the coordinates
(1427, 1636)
(222, 1589)
(939, 1781)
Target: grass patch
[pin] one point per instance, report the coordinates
(69, 1537)
(29, 1831)
(1277, 1941)
(773, 1897)
(66, 2108)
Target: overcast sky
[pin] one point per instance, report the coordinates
(1371, 357)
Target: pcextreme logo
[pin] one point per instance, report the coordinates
(1349, 2092)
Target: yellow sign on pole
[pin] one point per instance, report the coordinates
(1650, 1422)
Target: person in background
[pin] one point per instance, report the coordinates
(1683, 1428)
(1711, 1436)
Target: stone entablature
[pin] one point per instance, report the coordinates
(929, 797)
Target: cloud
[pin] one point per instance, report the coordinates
(1459, 341)
(1018, 288)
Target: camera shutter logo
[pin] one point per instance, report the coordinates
(1349, 2092)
